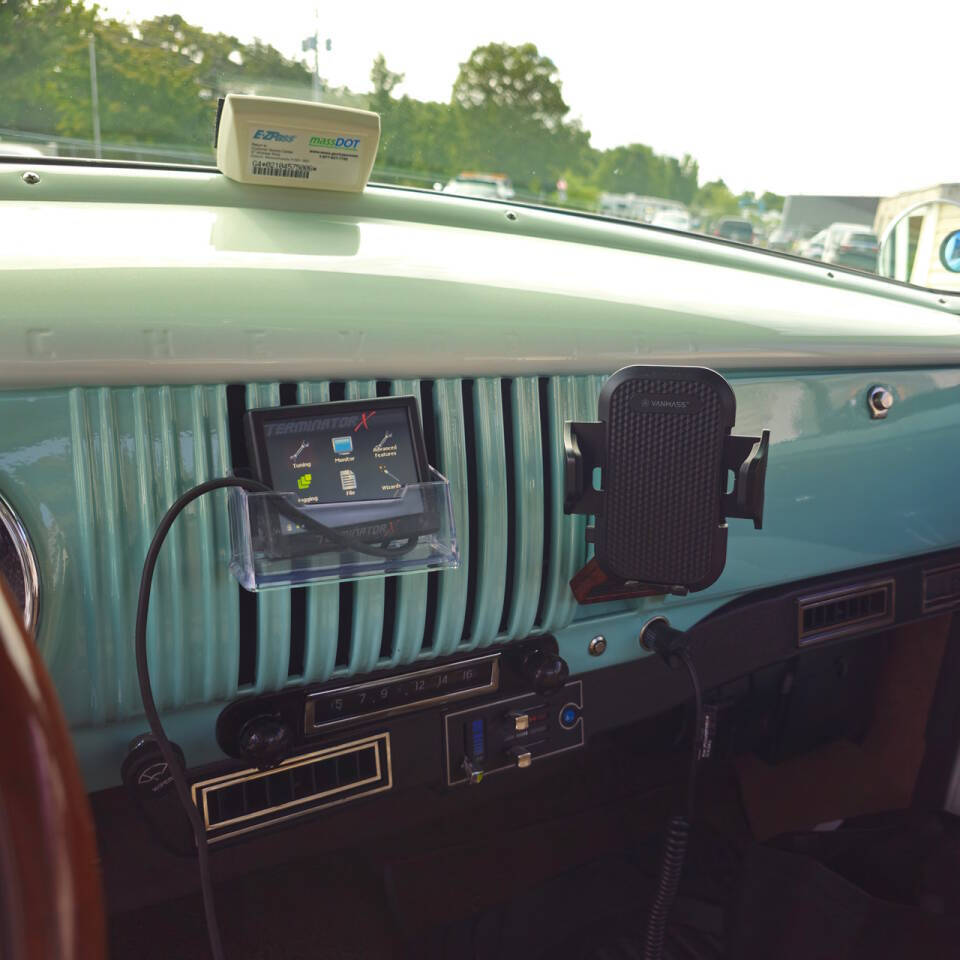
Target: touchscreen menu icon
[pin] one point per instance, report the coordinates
(342, 445)
(348, 481)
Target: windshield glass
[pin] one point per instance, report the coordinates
(672, 117)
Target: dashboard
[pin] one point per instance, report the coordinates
(131, 371)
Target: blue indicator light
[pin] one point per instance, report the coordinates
(568, 716)
(477, 738)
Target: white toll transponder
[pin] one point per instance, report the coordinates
(296, 143)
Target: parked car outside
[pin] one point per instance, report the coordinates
(676, 219)
(732, 228)
(494, 186)
(851, 245)
(813, 248)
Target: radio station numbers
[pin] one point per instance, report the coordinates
(401, 692)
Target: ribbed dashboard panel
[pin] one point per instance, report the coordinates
(134, 450)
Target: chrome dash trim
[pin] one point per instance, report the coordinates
(27, 557)
(311, 727)
(383, 778)
(847, 627)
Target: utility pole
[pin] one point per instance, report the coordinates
(94, 97)
(313, 43)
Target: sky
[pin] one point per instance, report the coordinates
(841, 97)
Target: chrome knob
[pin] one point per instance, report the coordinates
(879, 400)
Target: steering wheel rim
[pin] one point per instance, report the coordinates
(51, 903)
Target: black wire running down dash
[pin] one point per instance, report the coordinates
(678, 832)
(177, 773)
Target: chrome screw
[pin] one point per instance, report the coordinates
(597, 645)
(31, 177)
(879, 400)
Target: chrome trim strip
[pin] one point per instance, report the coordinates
(491, 687)
(28, 562)
(203, 787)
(848, 626)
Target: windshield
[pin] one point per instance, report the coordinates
(665, 116)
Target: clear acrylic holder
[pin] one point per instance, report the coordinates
(274, 540)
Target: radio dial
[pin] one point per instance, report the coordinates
(265, 741)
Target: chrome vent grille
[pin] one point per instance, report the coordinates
(842, 612)
(499, 442)
(250, 800)
(941, 588)
(135, 449)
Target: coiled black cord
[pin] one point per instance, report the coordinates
(671, 870)
(678, 831)
(177, 773)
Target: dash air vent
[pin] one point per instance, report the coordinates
(941, 588)
(839, 613)
(252, 799)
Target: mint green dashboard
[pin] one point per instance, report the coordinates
(142, 309)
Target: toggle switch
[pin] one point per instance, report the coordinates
(521, 757)
(474, 773)
(519, 722)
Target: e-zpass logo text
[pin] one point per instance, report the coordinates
(274, 135)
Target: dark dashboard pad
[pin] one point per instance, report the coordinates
(486, 718)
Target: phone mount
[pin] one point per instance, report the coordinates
(665, 451)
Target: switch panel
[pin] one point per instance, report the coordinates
(512, 734)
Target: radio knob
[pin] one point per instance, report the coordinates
(265, 741)
(545, 671)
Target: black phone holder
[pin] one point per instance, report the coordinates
(665, 450)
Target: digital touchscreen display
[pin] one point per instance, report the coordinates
(358, 451)
(363, 455)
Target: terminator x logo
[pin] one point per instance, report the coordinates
(365, 420)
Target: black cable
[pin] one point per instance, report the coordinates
(678, 828)
(177, 773)
(687, 661)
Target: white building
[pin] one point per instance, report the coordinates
(913, 251)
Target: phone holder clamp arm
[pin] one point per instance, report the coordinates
(664, 448)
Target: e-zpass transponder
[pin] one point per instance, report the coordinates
(296, 143)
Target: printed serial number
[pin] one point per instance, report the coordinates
(299, 171)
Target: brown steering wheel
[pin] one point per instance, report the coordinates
(51, 905)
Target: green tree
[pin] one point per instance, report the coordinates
(772, 201)
(384, 81)
(637, 169)
(518, 80)
(220, 61)
(158, 83)
(715, 199)
(510, 117)
(145, 95)
(33, 38)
